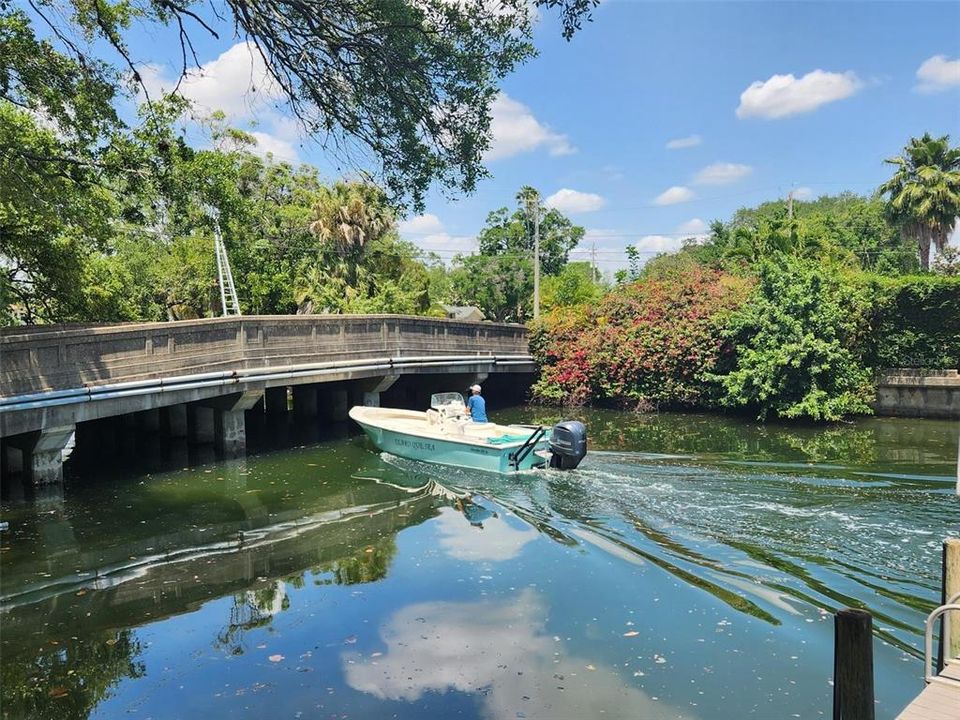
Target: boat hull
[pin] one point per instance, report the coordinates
(450, 452)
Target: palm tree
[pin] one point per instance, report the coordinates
(925, 192)
(350, 214)
(347, 217)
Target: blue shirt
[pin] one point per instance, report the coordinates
(478, 408)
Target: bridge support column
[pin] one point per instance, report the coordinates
(305, 401)
(276, 400)
(201, 424)
(370, 389)
(41, 453)
(334, 402)
(149, 420)
(231, 426)
(11, 459)
(173, 421)
(220, 421)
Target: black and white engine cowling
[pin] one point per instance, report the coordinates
(568, 444)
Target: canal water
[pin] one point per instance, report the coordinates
(688, 569)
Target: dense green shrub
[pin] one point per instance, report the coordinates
(798, 345)
(790, 344)
(648, 343)
(915, 321)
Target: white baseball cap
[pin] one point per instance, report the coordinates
(475, 388)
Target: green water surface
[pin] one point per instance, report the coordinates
(688, 569)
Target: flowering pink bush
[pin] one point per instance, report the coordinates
(646, 344)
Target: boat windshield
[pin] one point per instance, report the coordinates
(443, 400)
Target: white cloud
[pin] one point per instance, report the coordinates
(802, 193)
(515, 130)
(270, 144)
(426, 224)
(676, 194)
(722, 173)
(651, 244)
(235, 82)
(784, 95)
(238, 84)
(684, 142)
(694, 226)
(428, 233)
(573, 201)
(937, 74)
(497, 541)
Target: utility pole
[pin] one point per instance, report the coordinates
(533, 205)
(536, 261)
(593, 260)
(790, 205)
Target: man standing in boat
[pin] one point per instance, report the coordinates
(476, 405)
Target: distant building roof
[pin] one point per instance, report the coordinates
(463, 312)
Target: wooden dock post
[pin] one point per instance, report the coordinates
(950, 586)
(853, 665)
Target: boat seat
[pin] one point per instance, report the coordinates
(450, 426)
(433, 417)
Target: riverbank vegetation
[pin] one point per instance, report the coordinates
(818, 297)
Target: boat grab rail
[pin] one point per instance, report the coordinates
(529, 444)
(944, 610)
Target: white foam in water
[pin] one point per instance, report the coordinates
(749, 519)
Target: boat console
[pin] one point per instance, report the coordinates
(448, 413)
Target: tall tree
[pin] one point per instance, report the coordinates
(500, 285)
(924, 192)
(52, 216)
(403, 87)
(510, 233)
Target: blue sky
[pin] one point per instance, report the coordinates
(588, 122)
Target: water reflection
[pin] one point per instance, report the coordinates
(500, 651)
(722, 545)
(928, 447)
(75, 572)
(493, 538)
(68, 678)
(253, 609)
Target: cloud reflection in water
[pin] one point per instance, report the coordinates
(499, 539)
(496, 648)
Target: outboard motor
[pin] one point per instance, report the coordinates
(568, 444)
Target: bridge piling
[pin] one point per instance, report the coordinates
(305, 401)
(39, 454)
(148, 421)
(231, 427)
(334, 402)
(369, 390)
(173, 421)
(201, 425)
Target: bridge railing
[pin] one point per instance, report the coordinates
(71, 357)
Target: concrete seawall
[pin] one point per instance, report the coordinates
(912, 392)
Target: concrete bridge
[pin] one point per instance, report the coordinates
(197, 379)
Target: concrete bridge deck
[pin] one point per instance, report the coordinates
(197, 378)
